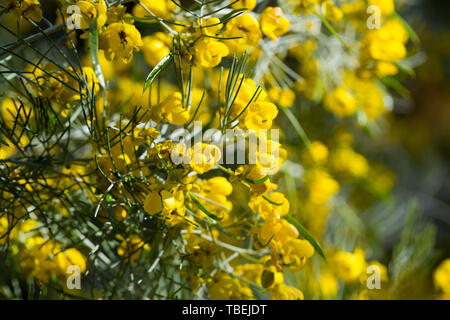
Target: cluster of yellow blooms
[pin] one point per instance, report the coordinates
(39, 258)
(239, 229)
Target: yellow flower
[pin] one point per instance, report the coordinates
(441, 277)
(286, 233)
(169, 203)
(226, 287)
(91, 79)
(320, 185)
(7, 150)
(119, 213)
(219, 185)
(70, 257)
(368, 95)
(209, 52)
(38, 258)
(203, 157)
(285, 292)
(108, 67)
(386, 44)
(216, 190)
(11, 109)
(320, 152)
(244, 4)
(6, 227)
(348, 266)
(332, 12)
(30, 9)
(160, 8)
(304, 5)
(383, 69)
(260, 115)
(209, 26)
(43, 258)
(246, 28)
(116, 13)
(268, 210)
(328, 285)
(120, 40)
(200, 251)
(153, 203)
(132, 248)
(267, 231)
(347, 162)
(317, 151)
(260, 188)
(156, 47)
(251, 272)
(271, 277)
(387, 7)
(266, 155)
(341, 102)
(54, 89)
(89, 10)
(283, 97)
(120, 162)
(271, 207)
(244, 95)
(173, 202)
(296, 252)
(171, 109)
(387, 50)
(144, 135)
(273, 24)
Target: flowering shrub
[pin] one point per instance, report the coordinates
(95, 172)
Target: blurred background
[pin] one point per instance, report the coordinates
(421, 125)
(417, 147)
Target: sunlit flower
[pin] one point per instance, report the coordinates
(120, 40)
(30, 9)
(273, 24)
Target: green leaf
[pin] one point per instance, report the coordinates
(228, 233)
(93, 45)
(262, 180)
(258, 240)
(230, 15)
(299, 129)
(393, 83)
(109, 201)
(412, 34)
(271, 201)
(305, 234)
(330, 28)
(203, 209)
(156, 70)
(404, 68)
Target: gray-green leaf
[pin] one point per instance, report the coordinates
(93, 45)
(156, 70)
(305, 234)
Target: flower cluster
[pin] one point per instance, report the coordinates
(88, 146)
